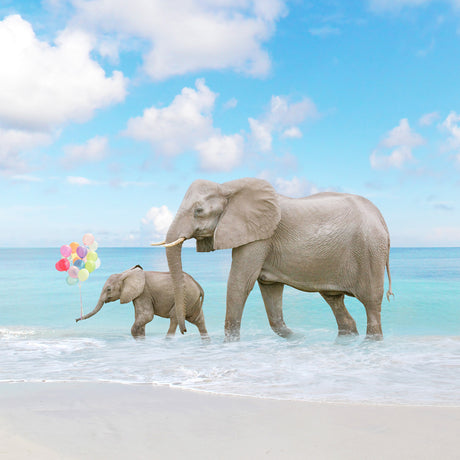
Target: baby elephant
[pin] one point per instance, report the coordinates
(152, 293)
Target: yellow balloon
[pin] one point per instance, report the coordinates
(83, 274)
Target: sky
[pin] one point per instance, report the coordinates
(109, 110)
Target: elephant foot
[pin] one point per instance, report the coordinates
(348, 332)
(377, 337)
(284, 332)
(205, 338)
(232, 337)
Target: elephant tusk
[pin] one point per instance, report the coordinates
(158, 244)
(175, 243)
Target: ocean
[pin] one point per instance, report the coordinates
(417, 363)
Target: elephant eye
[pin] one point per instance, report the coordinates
(198, 212)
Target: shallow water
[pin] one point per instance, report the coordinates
(418, 362)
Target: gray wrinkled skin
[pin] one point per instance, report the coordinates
(152, 294)
(332, 243)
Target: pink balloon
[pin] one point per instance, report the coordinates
(73, 271)
(88, 239)
(66, 250)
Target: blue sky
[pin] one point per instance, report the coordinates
(110, 109)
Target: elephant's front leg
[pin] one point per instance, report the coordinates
(143, 314)
(273, 300)
(247, 262)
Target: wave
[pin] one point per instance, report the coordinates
(399, 370)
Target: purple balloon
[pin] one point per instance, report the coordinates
(81, 252)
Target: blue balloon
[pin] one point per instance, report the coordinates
(79, 263)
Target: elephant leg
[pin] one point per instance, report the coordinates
(374, 322)
(143, 314)
(272, 295)
(247, 264)
(200, 324)
(172, 326)
(345, 321)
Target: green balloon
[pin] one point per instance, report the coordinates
(91, 256)
(90, 266)
(71, 281)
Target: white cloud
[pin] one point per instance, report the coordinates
(283, 117)
(282, 113)
(179, 126)
(91, 151)
(187, 125)
(325, 31)
(221, 153)
(451, 124)
(156, 222)
(402, 139)
(296, 187)
(231, 103)
(78, 180)
(292, 133)
(25, 178)
(12, 143)
(190, 35)
(428, 119)
(261, 134)
(45, 85)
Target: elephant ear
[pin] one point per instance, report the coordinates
(252, 213)
(133, 282)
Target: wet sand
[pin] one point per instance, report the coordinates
(104, 420)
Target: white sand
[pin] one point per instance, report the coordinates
(110, 421)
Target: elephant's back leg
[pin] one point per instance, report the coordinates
(345, 321)
(370, 292)
(195, 316)
(172, 324)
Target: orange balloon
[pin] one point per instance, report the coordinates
(74, 246)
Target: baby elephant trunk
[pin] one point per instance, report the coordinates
(96, 309)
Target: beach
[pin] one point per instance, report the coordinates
(109, 420)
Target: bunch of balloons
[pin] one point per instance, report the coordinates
(79, 260)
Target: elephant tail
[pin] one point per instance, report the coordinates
(389, 292)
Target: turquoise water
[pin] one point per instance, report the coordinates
(418, 362)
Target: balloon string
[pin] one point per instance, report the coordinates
(81, 301)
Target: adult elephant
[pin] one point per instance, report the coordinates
(332, 243)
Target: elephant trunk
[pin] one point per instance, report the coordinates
(174, 256)
(92, 313)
